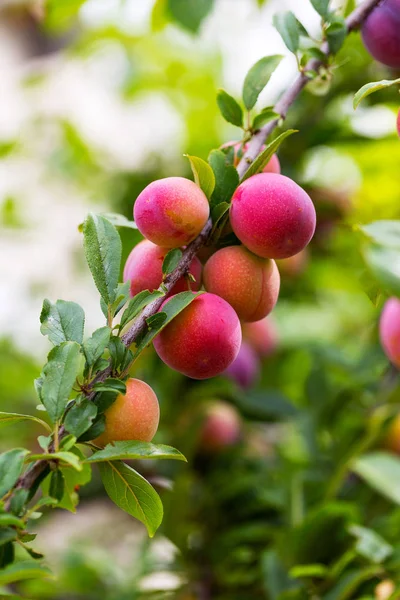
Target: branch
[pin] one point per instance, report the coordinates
(353, 22)
(30, 479)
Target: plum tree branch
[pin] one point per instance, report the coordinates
(31, 477)
(353, 22)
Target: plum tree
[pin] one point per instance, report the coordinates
(262, 336)
(133, 416)
(171, 212)
(221, 427)
(380, 33)
(144, 269)
(272, 215)
(203, 340)
(249, 283)
(389, 330)
(272, 166)
(245, 369)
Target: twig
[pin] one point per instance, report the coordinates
(353, 22)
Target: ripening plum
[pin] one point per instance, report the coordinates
(272, 215)
(272, 166)
(389, 330)
(133, 416)
(262, 336)
(380, 33)
(171, 212)
(221, 427)
(201, 341)
(245, 369)
(249, 283)
(144, 269)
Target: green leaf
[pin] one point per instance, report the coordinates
(226, 177)
(370, 88)
(62, 321)
(258, 77)
(7, 535)
(385, 265)
(6, 418)
(203, 174)
(336, 33)
(59, 375)
(103, 251)
(56, 489)
(385, 233)
(23, 570)
(230, 109)
(67, 442)
(275, 577)
(72, 481)
(122, 296)
(132, 493)
(265, 116)
(171, 260)
(68, 458)
(7, 555)
(80, 417)
(18, 500)
(134, 450)
(218, 213)
(381, 471)
(262, 159)
(322, 7)
(8, 519)
(305, 571)
(137, 303)
(349, 583)
(94, 347)
(111, 385)
(171, 308)
(287, 26)
(11, 464)
(96, 429)
(119, 220)
(159, 18)
(155, 321)
(370, 544)
(117, 350)
(190, 13)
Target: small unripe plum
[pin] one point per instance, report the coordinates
(272, 166)
(389, 330)
(133, 416)
(221, 427)
(171, 212)
(245, 369)
(144, 270)
(272, 215)
(249, 283)
(294, 265)
(202, 340)
(380, 33)
(262, 336)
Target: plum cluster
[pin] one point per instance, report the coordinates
(272, 218)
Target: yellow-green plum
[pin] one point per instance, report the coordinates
(272, 166)
(144, 270)
(202, 340)
(171, 212)
(133, 416)
(389, 330)
(272, 215)
(221, 427)
(249, 283)
(380, 33)
(262, 336)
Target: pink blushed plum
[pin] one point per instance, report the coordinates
(144, 270)
(272, 216)
(201, 341)
(249, 283)
(262, 336)
(245, 369)
(221, 428)
(381, 33)
(171, 212)
(389, 330)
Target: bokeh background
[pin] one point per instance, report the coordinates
(97, 99)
